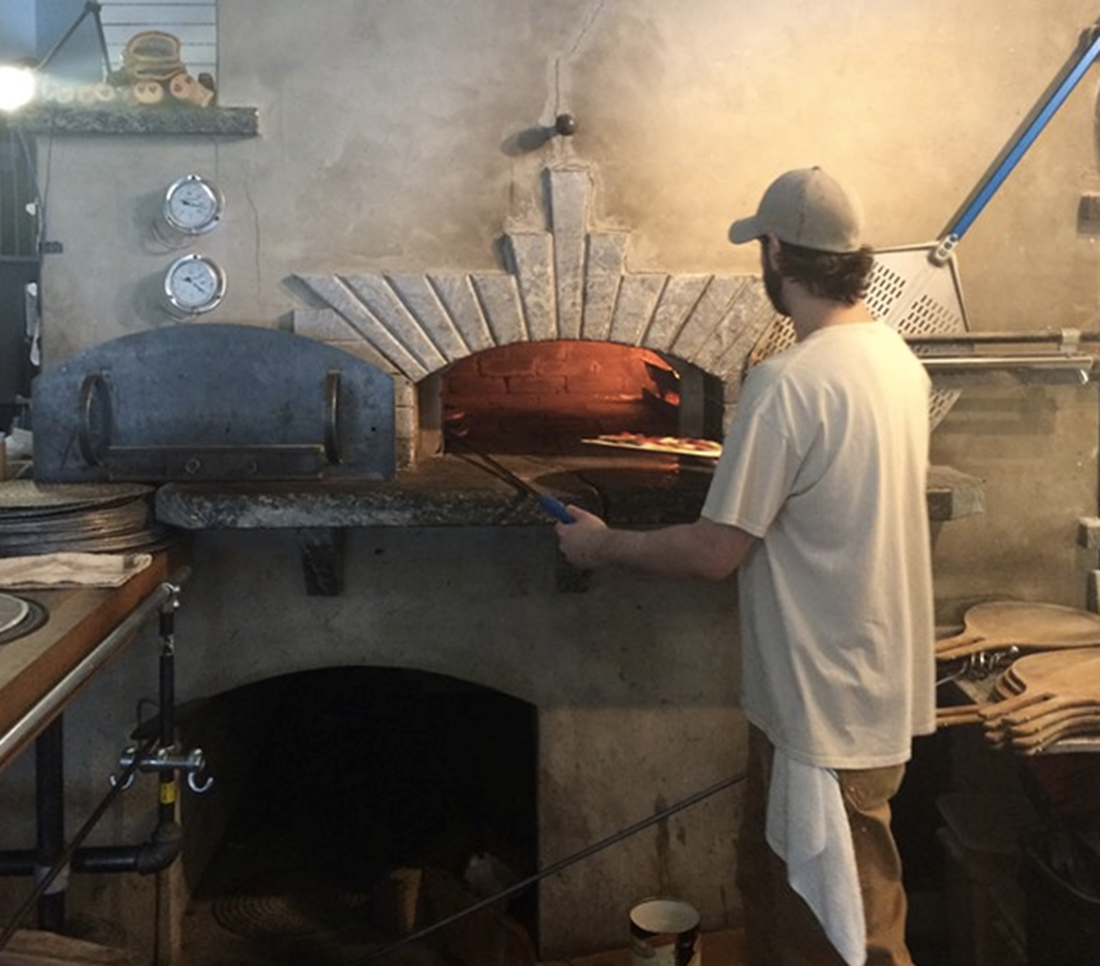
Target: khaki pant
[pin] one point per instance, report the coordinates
(780, 929)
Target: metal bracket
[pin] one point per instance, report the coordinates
(322, 555)
(164, 757)
(1070, 342)
(162, 761)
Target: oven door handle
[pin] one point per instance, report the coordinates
(94, 433)
(332, 415)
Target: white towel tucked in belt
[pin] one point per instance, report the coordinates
(808, 828)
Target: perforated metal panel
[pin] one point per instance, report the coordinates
(911, 294)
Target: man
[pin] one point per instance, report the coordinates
(819, 502)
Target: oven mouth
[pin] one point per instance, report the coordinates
(548, 398)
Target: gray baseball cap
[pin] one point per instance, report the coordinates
(805, 207)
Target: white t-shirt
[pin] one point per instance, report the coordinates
(826, 462)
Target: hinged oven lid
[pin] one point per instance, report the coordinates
(213, 402)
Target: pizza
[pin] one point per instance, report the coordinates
(679, 445)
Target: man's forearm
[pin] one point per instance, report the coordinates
(700, 549)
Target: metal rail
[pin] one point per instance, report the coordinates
(1063, 337)
(25, 729)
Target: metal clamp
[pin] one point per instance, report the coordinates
(1070, 342)
(943, 252)
(163, 760)
(163, 755)
(980, 665)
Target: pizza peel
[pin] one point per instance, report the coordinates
(1037, 692)
(670, 445)
(925, 276)
(915, 289)
(1001, 624)
(1048, 713)
(1054, 695)
(1086, 726)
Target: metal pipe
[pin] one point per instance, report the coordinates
(51, 856)
(50, 821)
(168, 778)
(1081, 365)
(92, 9)
(159, 852)
(46, 709)
(66, 855)
(1008, 361)
(976, 338)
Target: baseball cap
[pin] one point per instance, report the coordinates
(805, 207)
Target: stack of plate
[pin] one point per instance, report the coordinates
(40, 518)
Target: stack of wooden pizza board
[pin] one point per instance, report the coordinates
(1049, 694)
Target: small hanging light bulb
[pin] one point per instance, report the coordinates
(16, 87)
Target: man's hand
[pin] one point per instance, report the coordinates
(583, 541)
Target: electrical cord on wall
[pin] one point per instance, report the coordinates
(556, 867)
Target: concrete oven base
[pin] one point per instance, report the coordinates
(633, 684)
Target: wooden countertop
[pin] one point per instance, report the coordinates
(79, 619)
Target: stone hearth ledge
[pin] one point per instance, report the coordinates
(451, 491)
(448, 491)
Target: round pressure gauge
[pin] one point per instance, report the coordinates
(193, 284)
(192, 205)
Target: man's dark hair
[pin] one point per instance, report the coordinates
(837, 277)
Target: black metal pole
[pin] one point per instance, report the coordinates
(168, 779)
(92, 9)
(45, 881)
(50, 820)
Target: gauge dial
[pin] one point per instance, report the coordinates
(192, 205)
(194, 284)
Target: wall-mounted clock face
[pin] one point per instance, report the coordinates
(192, 205)
(193, 284)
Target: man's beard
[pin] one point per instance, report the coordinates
(773, 286)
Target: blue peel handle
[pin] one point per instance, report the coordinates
(555, 508)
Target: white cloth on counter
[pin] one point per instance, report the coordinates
(807, 826)
(71, 569)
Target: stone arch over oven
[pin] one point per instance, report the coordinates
(564, 281)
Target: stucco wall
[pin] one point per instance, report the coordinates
(395, 136)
